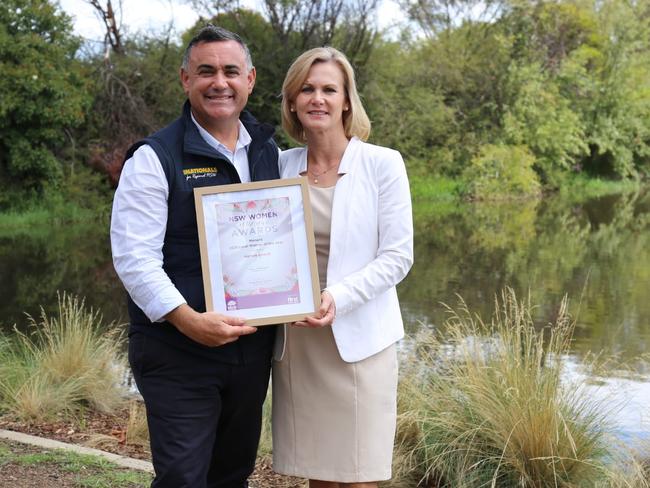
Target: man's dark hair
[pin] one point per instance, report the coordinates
(214, 33)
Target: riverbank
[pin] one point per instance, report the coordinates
(441, 189)
(93, 207)
(83, 197)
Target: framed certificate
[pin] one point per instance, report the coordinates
(257, 250)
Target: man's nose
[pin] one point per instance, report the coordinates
(219, 81)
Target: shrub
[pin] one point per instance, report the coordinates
(66, 363)
(487, 407)
(501, 171)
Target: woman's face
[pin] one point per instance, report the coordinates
(321, 100)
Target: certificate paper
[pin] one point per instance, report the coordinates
(257, 250)
(259, 264)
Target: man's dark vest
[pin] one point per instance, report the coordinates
(189, 162)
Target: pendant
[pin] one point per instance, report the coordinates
(315, 180)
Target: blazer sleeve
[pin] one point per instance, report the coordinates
(394, 255)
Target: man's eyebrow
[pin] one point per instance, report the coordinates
(211, 67)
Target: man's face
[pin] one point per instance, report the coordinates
(217, 82)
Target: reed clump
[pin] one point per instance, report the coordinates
(63, 364)
(486, 406)
(137, 431)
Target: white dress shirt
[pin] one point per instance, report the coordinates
(139, 222)
(239, 158)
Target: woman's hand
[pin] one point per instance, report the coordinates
(324, 316)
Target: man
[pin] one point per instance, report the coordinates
(203, 375)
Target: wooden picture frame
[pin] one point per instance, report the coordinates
(258, 253)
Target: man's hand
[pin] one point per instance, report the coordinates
(209, 328)
(324, 316)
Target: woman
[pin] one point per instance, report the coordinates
(334, 390)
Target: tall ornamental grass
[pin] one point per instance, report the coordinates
(62, 364)
(487, 407)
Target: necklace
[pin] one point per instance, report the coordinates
(315, 175)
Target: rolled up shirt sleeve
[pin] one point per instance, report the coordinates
(138, 224)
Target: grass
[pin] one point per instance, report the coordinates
(37, 219)
(88, 471)
(426, 190)
(62, 365)
(486, 407)
(581, 187)
(435, 188)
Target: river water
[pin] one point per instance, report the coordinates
(597, 251)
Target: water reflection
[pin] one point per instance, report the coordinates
(626, 398)
(35, 264)
(598, 252)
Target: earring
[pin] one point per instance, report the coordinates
(292, 109)
(345, 109)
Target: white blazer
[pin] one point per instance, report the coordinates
(371, 246)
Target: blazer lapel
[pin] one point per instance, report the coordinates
(342, 202)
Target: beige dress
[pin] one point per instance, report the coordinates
(332, 420)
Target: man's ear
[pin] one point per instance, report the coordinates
(185, 80)
(252, 74)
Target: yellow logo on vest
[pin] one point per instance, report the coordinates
(196, 173)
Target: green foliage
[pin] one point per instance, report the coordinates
(411, 118)
(592, 86)
(579, 186)
(502, 171)
(541, 118)
(82, 197)
(42, 96)
(134, 93)
(618, 104)
(569, 80)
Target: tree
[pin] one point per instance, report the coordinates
(435, 17)
(113, 29)
(407, 112)
(134, 94)
(541, 118)
(42, 96)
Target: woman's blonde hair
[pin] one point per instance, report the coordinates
(355, 120)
